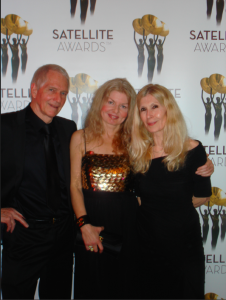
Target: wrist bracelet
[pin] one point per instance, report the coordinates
(83, 220)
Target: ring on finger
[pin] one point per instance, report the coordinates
(91, 248)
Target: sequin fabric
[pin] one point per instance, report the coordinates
(104, 172)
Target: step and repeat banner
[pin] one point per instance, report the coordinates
(177, 43)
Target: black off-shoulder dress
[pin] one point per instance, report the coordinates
(170, 257)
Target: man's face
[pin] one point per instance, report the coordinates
(48, 100)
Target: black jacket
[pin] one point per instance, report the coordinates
(13, 131)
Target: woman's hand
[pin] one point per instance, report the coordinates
(206, 170)
(90, 236)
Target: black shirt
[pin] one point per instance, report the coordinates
(30, 199)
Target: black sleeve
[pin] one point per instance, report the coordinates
(136, 183)
(202, 185)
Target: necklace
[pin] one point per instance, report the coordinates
(158, 151)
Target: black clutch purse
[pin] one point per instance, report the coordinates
(112, 243)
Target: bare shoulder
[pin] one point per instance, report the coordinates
(77, 138)
(192, 144)
(78, 135)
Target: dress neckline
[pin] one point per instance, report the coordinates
(187, 151)
(102, 154)
(159, 157)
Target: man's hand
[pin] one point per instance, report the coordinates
(9, 215)
(207, 169)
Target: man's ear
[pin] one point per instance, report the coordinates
(34, 90)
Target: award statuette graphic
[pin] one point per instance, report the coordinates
(14, 24)
(205, 225)
(151, 57)
(223, 224)
(219, 10)
(4, 46)
(81, 83)
(138, 28)
(83, 8)
(217, 198)
(209, 4)
(208, 115)
(150, 24)
(216, 83)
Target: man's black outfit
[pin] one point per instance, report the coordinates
(45, 249)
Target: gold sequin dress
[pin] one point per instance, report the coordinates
(110, 202)
(105, 172)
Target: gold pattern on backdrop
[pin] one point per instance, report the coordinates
(81, 83)
(205, 84)
(150, 24)
(4, 28)
(218, 197)
(194, 48)
(138, 27)
(211, 296)
(9, 25)
(212, 85)
(218, 83)
(15, 23)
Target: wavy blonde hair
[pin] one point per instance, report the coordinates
(94, 125)
(175, 137)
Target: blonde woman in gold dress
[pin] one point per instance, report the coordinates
(102, 195)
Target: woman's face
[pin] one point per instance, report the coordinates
(115, 109)
(152, 114)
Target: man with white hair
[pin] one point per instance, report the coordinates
(36, 205)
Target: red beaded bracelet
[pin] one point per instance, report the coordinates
(83, 220)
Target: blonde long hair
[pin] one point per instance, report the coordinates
(175, 137)
(94, 125)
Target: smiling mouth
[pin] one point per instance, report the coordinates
(53, 106)
(113, 117)
(152, 123)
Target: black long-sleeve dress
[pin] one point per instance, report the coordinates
(170, 261)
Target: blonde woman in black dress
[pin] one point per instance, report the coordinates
(171, 259)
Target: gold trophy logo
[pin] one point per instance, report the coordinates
(212, 85)
(218, 198)
(81, 83)
(150, 24)
(14, 24)
(212, 296)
